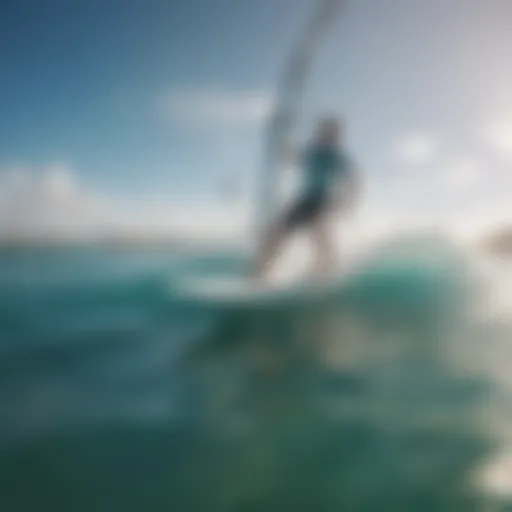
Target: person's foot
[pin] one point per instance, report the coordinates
(320, 276)
(256, 274)
(260, 280)
(259, 274)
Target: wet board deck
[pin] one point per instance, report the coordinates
(244, 290)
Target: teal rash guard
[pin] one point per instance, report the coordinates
(322, 169)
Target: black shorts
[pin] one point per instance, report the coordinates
(303, 212)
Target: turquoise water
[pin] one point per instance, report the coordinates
(117, 395)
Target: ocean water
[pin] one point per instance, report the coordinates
(118, 394)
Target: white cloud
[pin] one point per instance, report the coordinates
(415, 148)
(51, 202)
(217, 106)
(498, 137)
(462, 174)
(479, 219)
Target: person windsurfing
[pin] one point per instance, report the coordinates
(330, 184)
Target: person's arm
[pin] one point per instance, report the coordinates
(350, 189)
(290, 156)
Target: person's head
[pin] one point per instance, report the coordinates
(330, 131)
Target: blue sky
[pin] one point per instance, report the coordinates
(162, 98)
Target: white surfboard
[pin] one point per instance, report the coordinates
(245, 290)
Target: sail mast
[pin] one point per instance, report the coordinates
(286, 109)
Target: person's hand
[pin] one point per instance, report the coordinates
(348, 197)
(342, 205)
(289, 155)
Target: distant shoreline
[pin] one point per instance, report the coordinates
(497, 242)
(17, 244)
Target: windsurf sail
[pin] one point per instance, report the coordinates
(286, 108)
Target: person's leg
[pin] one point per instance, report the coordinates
(290, 221)
(269, 251)
(325, 257)
(295, 218)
